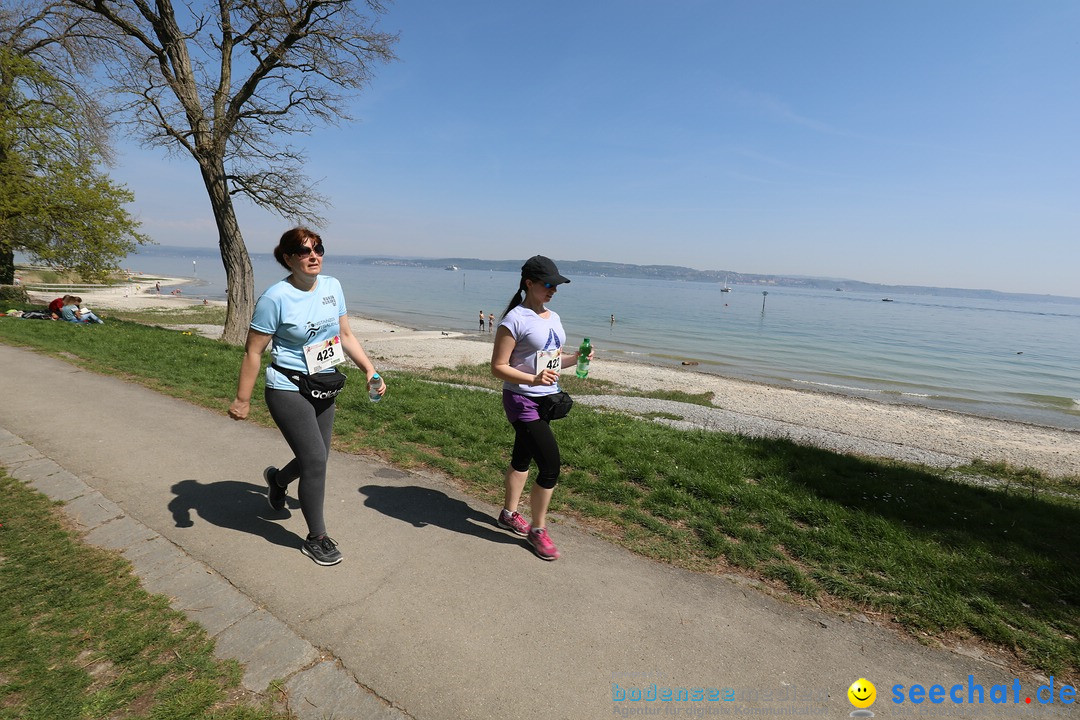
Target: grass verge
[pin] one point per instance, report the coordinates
(480, 376)
(179, 315)
(901, 543)
(79, 638)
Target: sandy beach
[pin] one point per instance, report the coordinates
(873, 428)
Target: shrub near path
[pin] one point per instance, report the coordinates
(902, 544)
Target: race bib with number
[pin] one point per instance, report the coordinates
(549, 360)
(322, 355)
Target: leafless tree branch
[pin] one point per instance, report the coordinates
(226, 81)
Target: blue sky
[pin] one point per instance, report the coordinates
(914, 142)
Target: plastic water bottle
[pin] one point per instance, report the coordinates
(374, 387)
(583, 358)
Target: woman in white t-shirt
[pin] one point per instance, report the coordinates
(528, 356)
(304, 315)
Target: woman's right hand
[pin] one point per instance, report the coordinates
(546, 377)
(239, 409)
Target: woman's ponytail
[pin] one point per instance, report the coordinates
(517, 299)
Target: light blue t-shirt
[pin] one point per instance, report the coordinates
(532, 333)
(296, 318)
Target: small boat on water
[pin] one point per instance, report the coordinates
(451, 267)
(886, 299)
(726, 288)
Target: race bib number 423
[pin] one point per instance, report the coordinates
(548, 360)
(322, 355)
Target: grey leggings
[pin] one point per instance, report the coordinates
(307, 426)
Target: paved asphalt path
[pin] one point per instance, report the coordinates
(436, 613)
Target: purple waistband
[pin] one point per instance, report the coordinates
(519, 407)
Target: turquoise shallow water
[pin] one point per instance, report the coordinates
(1009, 358)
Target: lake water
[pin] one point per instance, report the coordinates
(1017, 359)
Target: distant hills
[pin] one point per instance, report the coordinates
(675, 272)
(655, 272)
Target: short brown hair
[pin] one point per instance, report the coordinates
(291, 242)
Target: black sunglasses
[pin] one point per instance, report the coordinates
(304, 251)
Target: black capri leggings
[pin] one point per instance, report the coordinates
(307, 426)
(534, 441)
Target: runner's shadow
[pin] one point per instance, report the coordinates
(230, 504)
(424, 506)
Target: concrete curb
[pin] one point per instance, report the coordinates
(314, 683)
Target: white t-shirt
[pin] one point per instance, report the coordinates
(533, 334)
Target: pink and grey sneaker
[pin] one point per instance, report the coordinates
(513, 522)
(542, 545)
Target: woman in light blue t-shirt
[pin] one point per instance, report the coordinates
(304, 316)
(527, 357)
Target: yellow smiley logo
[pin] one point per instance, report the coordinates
(862, 693)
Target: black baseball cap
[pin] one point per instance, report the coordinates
(543, 269)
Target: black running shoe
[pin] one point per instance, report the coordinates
(275, 494)
(322, 550)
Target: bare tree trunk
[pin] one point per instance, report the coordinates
(240, 279)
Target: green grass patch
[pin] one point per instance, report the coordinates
(903, 542)
(43, 275)
(1027, 481)
(179, 315)
(480, 376)
(79, 638)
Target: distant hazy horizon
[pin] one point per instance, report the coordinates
(213, 253)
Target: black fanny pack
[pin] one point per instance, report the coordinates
(554, 406)
(320, 386)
